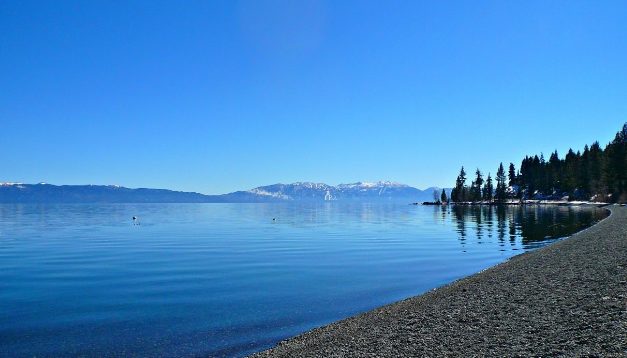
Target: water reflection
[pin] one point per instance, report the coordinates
(227, 280)
(533, 225)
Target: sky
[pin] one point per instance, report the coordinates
(218, 96)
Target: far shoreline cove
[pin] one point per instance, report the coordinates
(566, 298)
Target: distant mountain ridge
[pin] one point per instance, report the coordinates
(300, 191)
(365, 191)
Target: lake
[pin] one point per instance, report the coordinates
(227, 279)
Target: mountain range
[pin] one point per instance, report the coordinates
(301, 191)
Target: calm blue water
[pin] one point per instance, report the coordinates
(224, 279)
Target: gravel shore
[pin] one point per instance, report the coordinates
(567, 299)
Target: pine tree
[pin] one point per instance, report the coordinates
(571, 172)
(476, 186)
(500, 184)
(488, 189)
(443, 197)
(554, 172)
(459, 192)
(583, 179)
(595, 163)
(512, 174)
(614, 167)
(518, 182)
(596, 173)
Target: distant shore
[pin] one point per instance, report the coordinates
(564, 299)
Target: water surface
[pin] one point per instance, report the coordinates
(226, 279)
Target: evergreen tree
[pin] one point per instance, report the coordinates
(614, 167)
(512, 174)
(488, 189)
(596, 174)
(518, 182)
(583, 180)
(536, 178)
(595, 162)
(500, 184)
(571, 172)
(476, 186)
(443, 197)
(554, 172)
(459, 193)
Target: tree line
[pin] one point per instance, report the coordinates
(597, 174)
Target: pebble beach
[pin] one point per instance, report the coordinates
(566, 299)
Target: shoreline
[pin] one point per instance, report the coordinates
(567, 298)
(520, 203)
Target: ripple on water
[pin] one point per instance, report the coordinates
(223, 279)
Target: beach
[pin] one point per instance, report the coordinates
(568, 298)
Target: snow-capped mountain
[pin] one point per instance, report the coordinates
(301, 191)
(365, 191)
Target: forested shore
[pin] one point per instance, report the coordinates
(595, 174)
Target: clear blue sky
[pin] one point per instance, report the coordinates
(216, 96)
